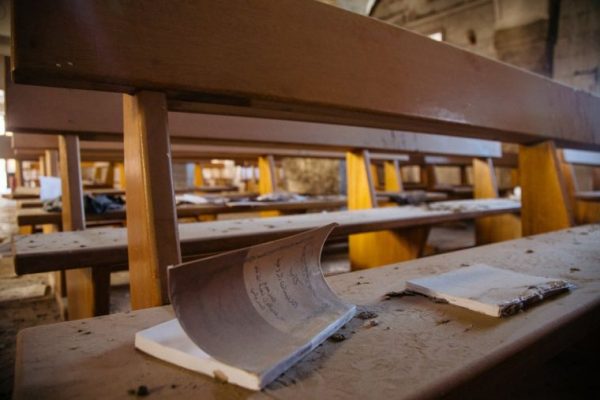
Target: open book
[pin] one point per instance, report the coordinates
(488, 290)
(246, 316)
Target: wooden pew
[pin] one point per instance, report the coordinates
(420, 349)
(304, 82)
(104, 249)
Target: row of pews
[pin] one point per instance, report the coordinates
(250, 87)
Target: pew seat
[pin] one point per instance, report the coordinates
(419, 349)
(107, 247)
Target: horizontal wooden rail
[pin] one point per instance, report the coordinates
(98, 116)
(345, 69)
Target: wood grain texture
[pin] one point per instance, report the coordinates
(545, 202)
(497, 228)
(270, 65)
(467, 356)
(151, 218)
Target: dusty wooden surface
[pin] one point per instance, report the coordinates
(419, 349)
(278, 71)
(108, 246)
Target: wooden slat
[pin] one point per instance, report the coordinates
(429, 349)
(151, 219)
(108, 246)
(278, 71)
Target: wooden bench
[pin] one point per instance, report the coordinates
(308, 83)
(38, 216)
(420, 349)
(103, 249)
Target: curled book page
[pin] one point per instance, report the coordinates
(255, 311)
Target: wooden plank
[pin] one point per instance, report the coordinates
(152, 221)
(108, 246)
(496, 228)
(225, 68)
(37, 216)
(87, 288)
(468, 355)
(545, 201)
(98, 116)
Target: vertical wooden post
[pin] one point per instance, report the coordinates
(121, 171)
(42, 166)
(87, 288)
(109, 180)
(464, 176)
(198, 176)
(267, 181)
(545, 204)
(375, 176)
(152, 233)
(51, 158)
(58, 278)
(18, 173)
(368, 250)
(496, 228)
(393, 179)
(428, 176)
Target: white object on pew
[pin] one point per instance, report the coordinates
(248, 315)
(50, 188)
(188, 198)
(488, 290)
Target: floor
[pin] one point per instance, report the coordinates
(26, 301)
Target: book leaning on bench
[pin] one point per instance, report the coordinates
(248, 315)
